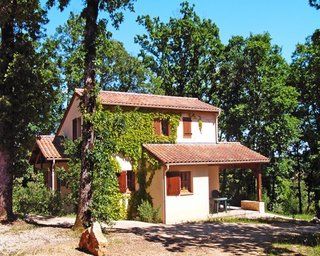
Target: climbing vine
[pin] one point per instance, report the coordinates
(120, 132)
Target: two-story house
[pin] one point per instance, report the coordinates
(182, 187)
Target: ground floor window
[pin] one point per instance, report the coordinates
(126, 180)
(178, 183)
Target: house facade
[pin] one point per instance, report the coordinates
(190, 167)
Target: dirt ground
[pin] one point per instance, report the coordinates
(183, 239)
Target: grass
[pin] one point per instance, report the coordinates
(304, 216)
(19, 226)
(270, 221)
(304, 244)
(287, 249)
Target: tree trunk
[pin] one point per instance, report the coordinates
(88, 104)
(299, 190)
(6, 54)
(6, 213)
(316, 202)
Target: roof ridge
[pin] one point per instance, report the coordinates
(46, 135)
(140, 93)
(152, 95)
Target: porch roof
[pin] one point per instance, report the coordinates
(49, 146)
(221, 154)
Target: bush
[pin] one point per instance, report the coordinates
(32, 196)
(147, 213)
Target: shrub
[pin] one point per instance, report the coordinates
(32, 196)
(147, 213)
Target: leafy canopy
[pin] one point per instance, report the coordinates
(183, 53)
(116, 69)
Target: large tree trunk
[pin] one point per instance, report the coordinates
(6, 55)
(6, 213)
(88, 104)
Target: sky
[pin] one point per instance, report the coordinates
(287, 21)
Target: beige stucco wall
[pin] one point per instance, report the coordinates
(208, 132)
(193, 206)
(156, 191)
(74, 112)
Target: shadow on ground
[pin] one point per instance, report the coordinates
(233, 238)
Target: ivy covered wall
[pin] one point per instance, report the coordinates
(119, 132)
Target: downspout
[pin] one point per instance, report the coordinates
(53, 174)
(217, 130)
(167, 166)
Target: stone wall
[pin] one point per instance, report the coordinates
(252, 205)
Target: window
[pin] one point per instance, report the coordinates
(178, 183)
(187, 127)
(126, 180)
(76, 128)
(165, 127)
(161, 127)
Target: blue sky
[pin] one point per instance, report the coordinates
(288, 21)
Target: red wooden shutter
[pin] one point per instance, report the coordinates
(122, 180)
(78, 127)
(74, 129)
(157, 126)
(187, 127)
(173, 184)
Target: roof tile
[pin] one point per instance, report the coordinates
(152, 101)
(49, 147)
(221, 153)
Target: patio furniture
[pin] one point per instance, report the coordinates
(218, 200)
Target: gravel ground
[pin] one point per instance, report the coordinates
(183, 239)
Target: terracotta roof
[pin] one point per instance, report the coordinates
(221, 153)
(152, 101)
(49, 147)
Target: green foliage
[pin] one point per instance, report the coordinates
(305, 77)
(30, 195)
(29, 96)
(147, 213)
(116, 69)
(238, 185)
(258, 104)
(183, 53)
(315, 4)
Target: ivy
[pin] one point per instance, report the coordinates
(119, 132)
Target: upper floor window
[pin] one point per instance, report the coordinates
(178, 183)
(76, 128)
(161, 127)
(187, 133)
(126, 180)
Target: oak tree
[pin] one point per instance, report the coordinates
(28, 90)
(88, 99)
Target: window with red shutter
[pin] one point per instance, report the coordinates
(178, 183)
(161, 127)
(187, 127)
(122, 180)
(173, 183)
